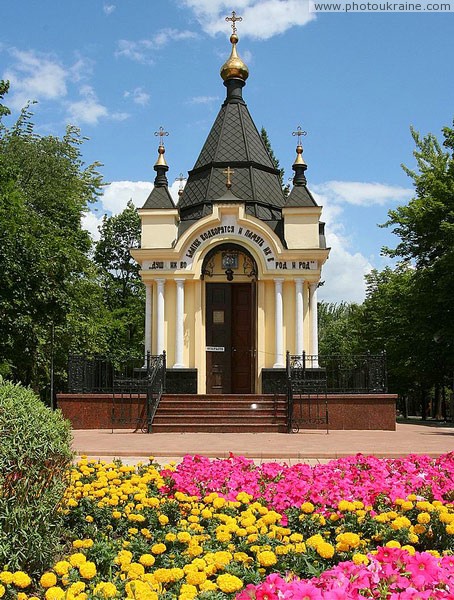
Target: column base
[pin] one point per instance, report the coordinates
(279, 365)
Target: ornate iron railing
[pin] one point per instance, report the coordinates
(136, 388)
(311, 379)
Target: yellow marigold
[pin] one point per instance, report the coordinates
(89, 519)
(135, 570)
(21, 579)
(307, 507)
(208, 586)
(346, 506)
(163, 519)
(105, 590)
(158, 548)
(194, 550)
(6, 577)
(325, 550)
(87, 569)
(360, 559)
(222, 558)
(229, 583)
(450, 528)
(314, 540)
(163, 575)
(116, 514)
(195, 577)
(77, 559)
(54, 593)
(48, 579)
(77, 588)
(266, 558)
(413, 538)
(170, 537)
(410, 549)
(400, 523)
(407, 505)
(423, 518)
(188, 591)
(21, 596)
(2, 590)
(147, 560)
(393, 544)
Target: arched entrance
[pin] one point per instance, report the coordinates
(230, 272)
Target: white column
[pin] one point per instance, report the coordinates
(299, 316)
(179, 325)
(278, 325)
(160, 316)
(148, 310)
(314, 323)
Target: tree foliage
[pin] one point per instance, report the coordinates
(339, 328)
(266, 141)
(45, 188)
(122, 289)
(409, 310)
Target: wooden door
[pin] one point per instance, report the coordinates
(230, 335)
(243, 354)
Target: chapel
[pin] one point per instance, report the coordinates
(231, 271)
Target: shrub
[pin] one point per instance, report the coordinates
(35, 452)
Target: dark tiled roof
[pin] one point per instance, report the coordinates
(159, 198)
(300, 196)
(233, 141)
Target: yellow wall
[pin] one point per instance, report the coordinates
(159, 230)
(301, 229)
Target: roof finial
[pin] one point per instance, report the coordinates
(234, 19)
(181, 178)
(299, 148)
(234, 67)
(161, 149)
(228, 172)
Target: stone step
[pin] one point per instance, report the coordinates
(190, 427)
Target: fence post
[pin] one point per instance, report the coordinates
(164, 370)
(289, 393)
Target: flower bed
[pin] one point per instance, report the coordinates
(359, 527)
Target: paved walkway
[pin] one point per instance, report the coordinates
(306, 446)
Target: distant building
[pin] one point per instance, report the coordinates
(231, 272)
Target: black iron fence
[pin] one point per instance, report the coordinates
(136, 388)
(311, 378)
(342, 374)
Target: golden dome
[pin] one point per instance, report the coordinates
(299, 160)
(234, 67)
(161, 162)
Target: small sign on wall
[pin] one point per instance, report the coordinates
(215, 348)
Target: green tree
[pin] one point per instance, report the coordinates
(339, 328)
(45, 188)
(122, 288)
(266, 141)
(425, 227)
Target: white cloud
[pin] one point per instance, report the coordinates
(135, 51)
(34, 76)
(118, 193)
(141, 51)
(119, 116)
(109, 8)
(262, 19)
(343, 272)
(88, 110)
(203, 99)
(138, 95)
(362, 193)
(91, 222)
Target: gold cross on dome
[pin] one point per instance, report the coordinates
(161, 134)
(234, 19)
(299, 132)
(228, 172)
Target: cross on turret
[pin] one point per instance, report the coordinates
(228, 172)
(161, 134)
(234, 19)
(299, 132)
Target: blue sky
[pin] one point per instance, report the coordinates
(120, 69)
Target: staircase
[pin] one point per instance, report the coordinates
(217, 413)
